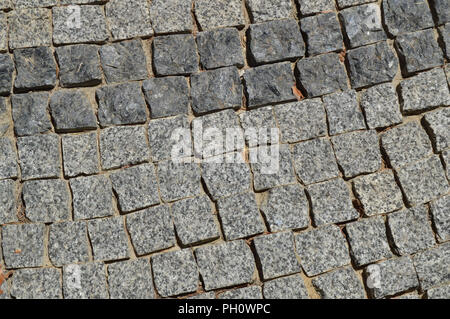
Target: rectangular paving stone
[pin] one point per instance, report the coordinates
(79, 65)
(260, 127)
(3, 32)
(5, 116)
(378, 193)
(108, 239)
(195, 221)
(130, 280)
(8, 158)
(29, 112)
(38, 283)
(266, 10)
(166, 96)
(169, 16)
(6, 73)
(47, 200)
(339, 284)
(308, 7)
(331, 202)
(423, 181)
(322, 74)
(39, 156)
(175, 272)
(239, 216)
(250, 292)
(151, 229)
(439, 292)
(314, 161)
(224, 265)
(34, 3)
(92, 197)
(220, 13)
(275, 41)
(425, 91)
(323, 33)
(23, 245)
(216, 90)
(68, 243)
(315, 247)
(121, 104)
(80, 154)
(438, 124)
(446, 160)
(269, 84)
(441, 219)
(302, 120)
(29, 27)
(86, 281)
(432, 266)
(121, 146)
(8, 201)
(88, 24)
(411, 230)
(290, 287)
(136, 187)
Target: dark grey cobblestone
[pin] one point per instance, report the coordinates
(323, 33)
(6, 73)
(405, 16)
(442, 10)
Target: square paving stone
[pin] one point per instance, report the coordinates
(441, 218)
(39, 74)
(87, 24)
(39, 156)
(363, 24)
(331, 202)
(291, 287)
(136, 187)
(131, 280)
(166, 96)
(378, 193)
(47, 200)
(260, 127)
(269, 84)
(276, 253)
(405, 16)
(423, 181)
(86, 281)
(442, 9)
(71, 111)
(224, 265)
(151, 229)
(8, 201)
(322, 249)
(170, 16)
(419, 51)
(80, 153)
(357, 152)
(68, 243)
(343, 112)
(121, 146)
(29, 112)
(406, 144)
(275, 41)
(265, 10)
(23, 245)
(29, 28)
(286, 207)
(175, 54)
(124, 61)
(216, 90)
(439, 292)
(438, 124)
(39, 283)
(219, 48)
(250, 292)
(432, 266)
(339, 284)
(308, 7)
(6, 73)
(3, 32)
(322, 74)
(178, 180)
(108, 238)
(79, 65)
(92, 197)
(195, 221)
(128, 19)
(368, 240)
(372, 64)
(323, 33)
(380, 105)
(314, 161)
(175, 273)
(8, 158)
(121, 104)
(411, 230)
(240, 216)
(220, 13)
(424, 91)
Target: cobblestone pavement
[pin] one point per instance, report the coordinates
(93, 206)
